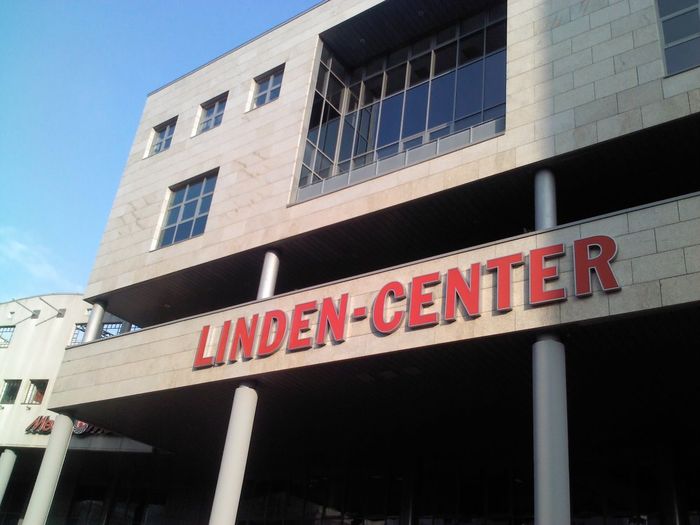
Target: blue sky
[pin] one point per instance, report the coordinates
(74, 76)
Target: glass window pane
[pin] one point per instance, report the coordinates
(396, 57)
(321, 80)
(209, 111)
(188, 210)
(445, 59)
(315, 122)
(275, 93)
(442, 94)
(199, 225)
(496, 112)
(667, 7)
(354, 94)
(374, 66)
(390, 121)
(220, 106)
(413, 143)
(260, 100)
(420, 69)
(335, 91)
(446, 35)
(395, 80)
(346, 139)
(168, 235)
(183, 231)
(681, 26)
(209, 184)
(471, 47)
(683, 56)
(306, 177)
(329, 133)
(468, 122)
(323, 166)
(498, 11)
(166, 144)
(469, 89)
(172, 216)
(415, 110)
(420, 46)
(388, 151)
(373, 90)
(496, 37)
(263, 85)
(277, 79)
(205, 205)
(309, 151)
(178, 196)
(495, 79)
(194, 190)
(366, 129)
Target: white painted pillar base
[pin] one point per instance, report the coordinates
(551, 435)
(233, 460)
(49, 472)
(93, 330)
(7, 463)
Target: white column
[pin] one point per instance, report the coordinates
(268, 277)
(7, 463)
(233, 460)
(550, 421)
(49, 472)
(551, 436)
(93, 330)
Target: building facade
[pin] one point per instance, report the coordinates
(414, 262)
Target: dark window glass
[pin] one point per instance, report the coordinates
(348, 135)
(179, 196)
(183, 231)
(495, 79)
(395, 80)
(321, 80)
(420, 46)
(681, 26)
(172, 216)
(413, 143)
(667, 7)
(193, 190)
(168, 235)
(323, 166)
(683, 56)
(354, 97)
(397, 57)
(329, 131)
(390, 121)
(366, 129)
(495, 112)
(181, 214)
(442, 95)
(373, 90)
(188, 210)
(199, 225)
(446, 35)
(471, 47)
(415, 110)
(335, 91)
(420, 69)
(10, 390)
(388, 151)
(445, 58)
(309, 151)
(468, 122)
(442, 132)
(374, 66)
(205, 205)
(306, 177)
(469, 89)
(315, 122)
(498, 11)
(496, 37)
(209, 185)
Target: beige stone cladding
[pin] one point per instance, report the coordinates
(656, 266)
(578, 72)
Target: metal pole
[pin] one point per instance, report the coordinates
(49, 472)
(268, 277)
(233, 460)
(550, 419)
(7, 463)
(93, 330)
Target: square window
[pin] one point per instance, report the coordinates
(680, 27)
(6, 335)
(9, 391)
(36, 391)
(188, 210)
(163, 136)
(212, 113)
(267, 87)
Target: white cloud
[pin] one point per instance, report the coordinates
(28, 268)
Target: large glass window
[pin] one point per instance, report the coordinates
(36, 391)
(6, 333)
(188, 210)
(212, 113)
(267, 87)
(437, 86)
(10, 388)
(680, 23)
(163, 136)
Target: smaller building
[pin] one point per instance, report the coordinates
(34, 334)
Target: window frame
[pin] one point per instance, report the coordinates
(205, 194)
(7, 329)
(34, 391)
(3, 393)
(166, 139)
(665, 45)
(272, 80)
(218, 104)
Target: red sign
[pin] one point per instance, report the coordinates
(44, 425)
(237, 339)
